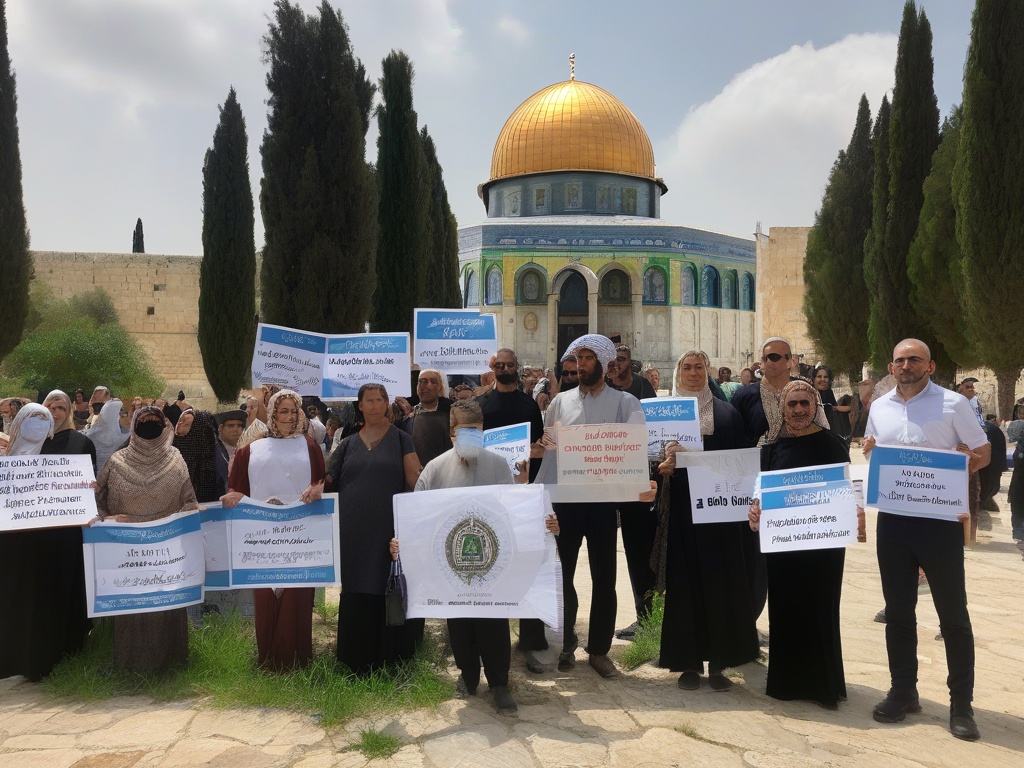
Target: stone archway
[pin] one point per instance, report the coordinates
(573, 311)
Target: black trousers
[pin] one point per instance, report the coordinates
(937, 546)
(476, 640)
(531, 635)
(639, 524)
(595, 523)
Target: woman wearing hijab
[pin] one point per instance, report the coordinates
(805, 654)
(369, 468)
(147, 481)
(837, 412)
(281, 468)
(107, 434)
(709, 614)
(195, 437)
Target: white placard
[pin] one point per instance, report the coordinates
(822, 516)
(721, 483)
(601, 462)
(289, 358)
(668, 419)
(511, 443)
(214, 522)
(918, 482)
(143, 567)
(43, 491)
(479, 552)
(455, 341)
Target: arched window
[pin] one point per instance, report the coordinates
(654, 286)
(747, 291)
(472, 294)
(493, 294)
(728, 292)
(531, 288)
(709, 288)
(689, 287)
(615, 287)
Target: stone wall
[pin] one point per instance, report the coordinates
(780, 288)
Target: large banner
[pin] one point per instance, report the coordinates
(511, 442)
(807, 508)
(455, 340)
(601, 462)
(919, 482)
(479, 552)
(668, 419)
(721, 483)
(332, 366)
(46, 491)
(143, 567)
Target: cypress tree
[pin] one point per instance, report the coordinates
(441, 280)
(403, 251)
(15, 262)
(873, 268)
(138, 241)
(913, 138)
(836, 298)
(988, 189)
(318, 196)
(227, 273)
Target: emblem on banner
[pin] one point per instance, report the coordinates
(472, 548)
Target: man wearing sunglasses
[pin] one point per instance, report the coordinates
(570, 377)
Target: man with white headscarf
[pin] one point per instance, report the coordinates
(593, 402)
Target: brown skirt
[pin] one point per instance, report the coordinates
(284, 628)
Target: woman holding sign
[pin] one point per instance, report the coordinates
(805, 653)
(709, 615)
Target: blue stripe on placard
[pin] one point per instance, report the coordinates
(679, 411)
(130, 533)
(806, 497)
(273, 514)
(454, 326)
(369, 344)
(147, 600)
(260, 576)
(213, 514)
(217, 579)
(802, 476)
(289, 337)
(507, 435)
(899, 456)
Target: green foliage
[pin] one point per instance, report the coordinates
(138, 238)
(441, 278)
(15, 261)
(405, 245)
(988, 189)
(836, 298)
(646, 645)
(222, 665)
(873, 266)
(375, 744)
(318, 195)
(227, 273)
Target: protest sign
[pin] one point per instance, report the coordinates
(668, 419)
(721, 483)
(455, 340)
(479, 552)
(143, 567)
(820, 516)
(46, 491)
(918, 482)
(213, 520)
(512, 442)
(331, 366)
(601, 462)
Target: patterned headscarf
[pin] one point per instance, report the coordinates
(602, 347)
(27, 440)
(69, 419)
(301, 425)
(705, 400)
(797, 384)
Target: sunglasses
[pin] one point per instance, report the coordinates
(570, 374)
(775, 357)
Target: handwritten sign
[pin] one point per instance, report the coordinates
(601, 462)
(821, 516)
(918, 482)
(721, 483)
(45, 492)
(455, 340)
(671, 418)
(512, 442)
(143, 567)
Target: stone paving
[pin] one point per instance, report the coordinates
(578, 719)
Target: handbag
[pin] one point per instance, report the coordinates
(396, 596)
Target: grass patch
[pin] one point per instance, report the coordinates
(375, 744)
(647, 643)
(222, 666)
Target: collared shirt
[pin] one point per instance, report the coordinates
(933, 418)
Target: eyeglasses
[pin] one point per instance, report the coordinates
(505, 366)
(775, 356)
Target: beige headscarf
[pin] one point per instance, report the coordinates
(797, 384)
(69, 418)
(705, 400)
(301, 425)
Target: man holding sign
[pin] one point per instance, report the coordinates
(921, 414)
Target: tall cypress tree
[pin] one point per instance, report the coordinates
(873, 268)
(318, 196)
(988, 189)
(913, 138)
(836, 298)
(15, 262)
(227, 273)
(138, 239)
(403, 251)
(441, 280)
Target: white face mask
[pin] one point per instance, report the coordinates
(35, 430)
(469, 441)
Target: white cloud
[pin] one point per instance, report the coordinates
(766, 142)
(513, 29)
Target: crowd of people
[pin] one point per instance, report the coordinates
(155, 458)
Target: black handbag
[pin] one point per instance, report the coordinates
(396, 596)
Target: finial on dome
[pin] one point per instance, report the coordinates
(572, 66)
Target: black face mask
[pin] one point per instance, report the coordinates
(96, 408)
(149, 430)
(506, 377)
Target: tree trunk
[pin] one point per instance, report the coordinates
(1006, 382)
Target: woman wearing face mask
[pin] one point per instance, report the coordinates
(147, 481)
(369, 468)
(107, 434)
(283, 467)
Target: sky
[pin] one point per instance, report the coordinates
(746, 102)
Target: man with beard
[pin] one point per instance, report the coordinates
(593, 402)
(428, 424)
(620, 375)
(570, 378)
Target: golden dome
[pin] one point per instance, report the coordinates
(572, 126)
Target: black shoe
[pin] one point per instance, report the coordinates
(567, 658)
(961, 722)
(880, 616)
(534, 664)
(719, 682)
(464, 689)
(896, 705)
(503, 701)
(629, 633)
(689, 680)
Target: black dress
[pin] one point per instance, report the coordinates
(805, 652)
(708, 613)
(42, 608)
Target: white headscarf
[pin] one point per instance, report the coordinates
(705, 400)
(601, 346)
(106, 434)
(29, 430)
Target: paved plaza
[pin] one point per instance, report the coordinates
(577, 718)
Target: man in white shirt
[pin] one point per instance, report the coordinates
(921, 414)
